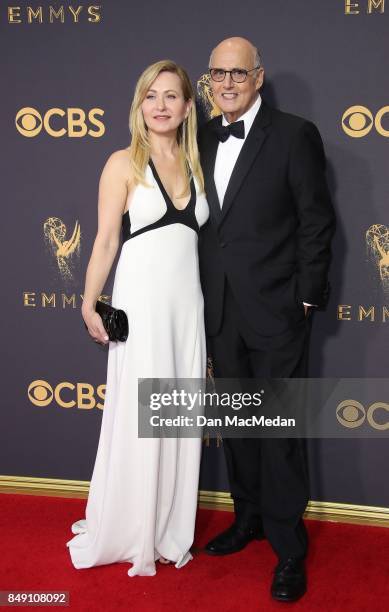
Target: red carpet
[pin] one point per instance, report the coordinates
(348, 566)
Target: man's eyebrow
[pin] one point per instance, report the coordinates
(234, 68)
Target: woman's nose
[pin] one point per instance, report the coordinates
(160, 102)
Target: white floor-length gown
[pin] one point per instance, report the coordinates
(143, 492)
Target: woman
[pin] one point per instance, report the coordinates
(143, 492)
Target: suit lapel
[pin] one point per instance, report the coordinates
(208, 159)
(251, 147)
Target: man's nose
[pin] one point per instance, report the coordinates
(228, 82)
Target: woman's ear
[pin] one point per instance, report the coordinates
(188, 107)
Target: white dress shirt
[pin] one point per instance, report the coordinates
(228, 152)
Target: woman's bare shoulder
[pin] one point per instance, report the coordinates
(118, 164)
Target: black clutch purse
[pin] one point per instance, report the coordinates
(114, 320)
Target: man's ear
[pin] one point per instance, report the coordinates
(259, 79)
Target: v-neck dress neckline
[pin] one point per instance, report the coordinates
(165, 194)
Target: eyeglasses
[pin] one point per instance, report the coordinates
(238, 75)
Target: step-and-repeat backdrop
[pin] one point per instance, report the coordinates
(68, 75)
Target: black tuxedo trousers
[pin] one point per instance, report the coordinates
(268, 476)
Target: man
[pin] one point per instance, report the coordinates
(264, 256)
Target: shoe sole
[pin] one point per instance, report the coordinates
(288, 599)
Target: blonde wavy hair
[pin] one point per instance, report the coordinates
(139, 148)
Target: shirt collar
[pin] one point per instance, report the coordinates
(249, 116)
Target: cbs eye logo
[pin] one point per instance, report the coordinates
(57, 122)
(66, 395)
(358, 121)
(351, 414)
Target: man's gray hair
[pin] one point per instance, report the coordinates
(257, 58)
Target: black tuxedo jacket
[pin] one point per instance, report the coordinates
(271, 238)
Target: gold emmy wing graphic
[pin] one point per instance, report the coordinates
(55, 230)
(204, 94)
(377, 241)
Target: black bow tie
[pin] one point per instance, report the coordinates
(225, 131)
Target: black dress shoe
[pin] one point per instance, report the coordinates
(289, 582)
(232, 540)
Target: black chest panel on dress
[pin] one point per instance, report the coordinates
(173, 215)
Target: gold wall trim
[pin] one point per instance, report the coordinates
(318, 510)
(44, 486)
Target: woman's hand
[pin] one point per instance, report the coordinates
(95, 326)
